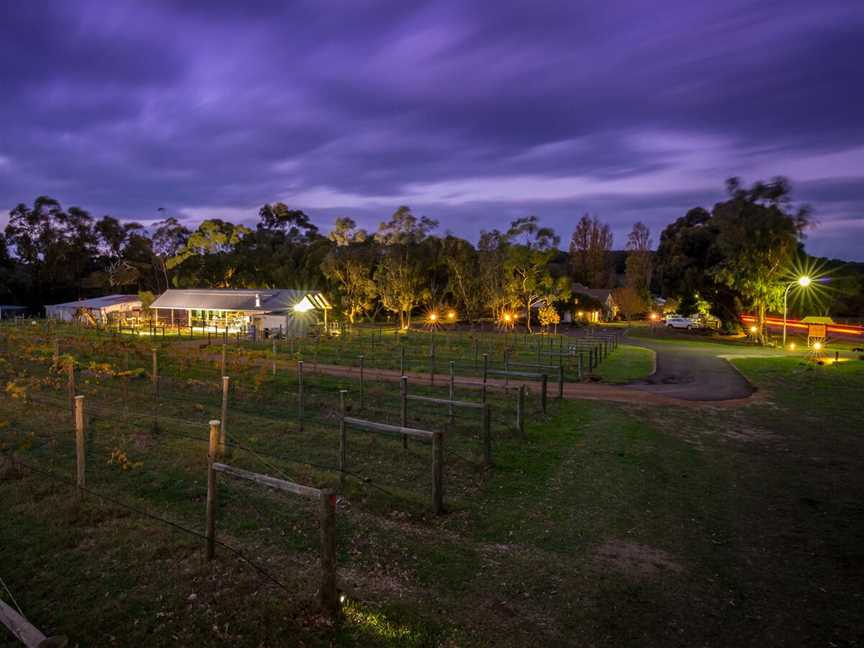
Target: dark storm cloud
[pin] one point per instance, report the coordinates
(472, 112)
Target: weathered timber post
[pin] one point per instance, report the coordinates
(70, 386)
(273, 356)
(485, 376)
(343, 440)
(80, 456)
(300, 393)
(452, 384)
(327, 520)
(520, 411)
(560, 377)
(401, 359)
(432, 364)
(403, 407)
(224, 357)
(362, 383)
(438, 473)
(154, 372)
(211, 489)
(544, 380)
(487, 435)
(223, 431)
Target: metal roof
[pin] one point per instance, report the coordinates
(262, 300)
(99, 302)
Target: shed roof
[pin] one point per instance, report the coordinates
(600, 294)
(262, 300)
(98, 302)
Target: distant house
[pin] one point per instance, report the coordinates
(96, 311)
(8, 311)
(257, 310)
(603, 297)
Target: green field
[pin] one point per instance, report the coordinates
(610, 524)
(628, 364)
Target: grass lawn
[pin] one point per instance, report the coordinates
(610, 525)
(626, 364)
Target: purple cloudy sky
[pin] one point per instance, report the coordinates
(470, 112)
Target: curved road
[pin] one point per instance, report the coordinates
(694, 372)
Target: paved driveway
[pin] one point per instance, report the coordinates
(695, 372)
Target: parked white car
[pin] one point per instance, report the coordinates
(676, 321)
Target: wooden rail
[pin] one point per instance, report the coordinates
(373, 426)
(327, 593)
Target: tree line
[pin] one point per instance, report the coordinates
(731, 258)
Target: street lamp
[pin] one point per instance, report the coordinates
(800, 281)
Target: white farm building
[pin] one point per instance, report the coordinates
(284, 310)
(96, 311)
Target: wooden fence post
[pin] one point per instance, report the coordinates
(560, 377)
(401, 359)
(211, 489)
(327, 512)
(362, 390)
(544, 381)
(343, 440)
(300, 393)
(273, 356)
(223, 430)
(224, 356)
(452, 390)
(70, 386)
(438, 473)
(154, 372)
(485, 372)
(432, 364)
(487, 435)
(79, 445)
(520, 410)
(403, 407)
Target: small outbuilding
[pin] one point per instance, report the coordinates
(97, 311)
(258, 311)
(8, 311)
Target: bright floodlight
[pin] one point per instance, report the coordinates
(817, 345)
(433, 317)
(804, 281)
(451, 315)
(753, 329)
(303, 306)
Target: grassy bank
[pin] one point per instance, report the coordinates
(610, 525)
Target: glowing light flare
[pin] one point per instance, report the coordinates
(817, 346)
(451, 315)
(653, 316)
(303, 306)
(754, 328)
(433, 317)
(791, 346)
(804, 281)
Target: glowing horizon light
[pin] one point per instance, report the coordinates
(792, 346)
(804, 281)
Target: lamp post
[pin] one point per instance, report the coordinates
(800, 281)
